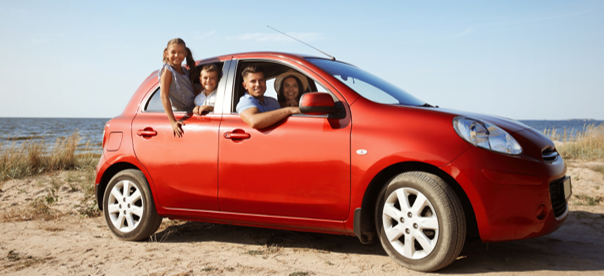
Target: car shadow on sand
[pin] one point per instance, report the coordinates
(577, 246)
(202, 232)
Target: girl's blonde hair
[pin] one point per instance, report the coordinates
(189, 59)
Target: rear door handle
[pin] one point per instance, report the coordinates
(233, 135)
(146, 132)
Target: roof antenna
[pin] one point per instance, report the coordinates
(330, 56)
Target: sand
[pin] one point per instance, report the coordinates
(61, 241)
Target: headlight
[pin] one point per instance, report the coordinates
(486, 135)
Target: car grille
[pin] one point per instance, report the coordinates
(556, 192)
(549, 154)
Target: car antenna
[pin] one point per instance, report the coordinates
(330, 56)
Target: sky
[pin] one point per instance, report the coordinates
(525, 60)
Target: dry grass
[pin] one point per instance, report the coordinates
(299, 273)
(598, 168)
(41, 205)
(88, 207)
(587, 145)
(588, 200)
(19, 261)
(36, 157)
(37, 210)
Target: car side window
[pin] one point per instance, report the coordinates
(270, 88)
(322, 89)
(271, 72)
(154, 103)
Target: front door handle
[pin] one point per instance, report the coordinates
(236, 135)
(147, 132)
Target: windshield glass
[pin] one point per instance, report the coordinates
(366, 84)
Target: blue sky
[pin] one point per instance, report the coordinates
(518, 59)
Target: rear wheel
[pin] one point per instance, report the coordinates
(420, 221)
(129, 208)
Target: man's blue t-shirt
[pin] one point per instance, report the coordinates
(247, 101)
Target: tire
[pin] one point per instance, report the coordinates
(128, 206)
(420, 221)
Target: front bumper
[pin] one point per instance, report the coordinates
(510, 195)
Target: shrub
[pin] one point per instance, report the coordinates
(587, 144)
(35, 157)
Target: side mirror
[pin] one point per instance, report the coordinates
(316, 103)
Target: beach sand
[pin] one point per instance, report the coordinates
(59, 241)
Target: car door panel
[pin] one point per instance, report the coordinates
(297, 168)
(182, 169)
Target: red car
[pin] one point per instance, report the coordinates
(365, 158)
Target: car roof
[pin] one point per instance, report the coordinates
(258, 54)
(266, 53)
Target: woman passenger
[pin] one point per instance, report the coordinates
(290, 88)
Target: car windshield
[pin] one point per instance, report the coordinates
(366, 84)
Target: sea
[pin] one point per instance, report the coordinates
(19, 130)
(16, 131)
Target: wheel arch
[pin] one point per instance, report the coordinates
(366, 227)
(107, 175)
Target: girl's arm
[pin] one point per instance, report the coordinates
(164, 84)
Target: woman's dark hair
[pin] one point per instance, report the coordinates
(193, 74)
(281, 97)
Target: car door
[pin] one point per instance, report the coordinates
(299, 167)
(183, 170)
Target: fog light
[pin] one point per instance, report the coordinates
(541, 212)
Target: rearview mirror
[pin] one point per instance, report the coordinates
(316, 103)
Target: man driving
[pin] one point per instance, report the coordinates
(255, 109)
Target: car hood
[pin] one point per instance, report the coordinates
(509, 125)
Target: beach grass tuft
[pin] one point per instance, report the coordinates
(587, 144)
(34, 157)
(19, 261)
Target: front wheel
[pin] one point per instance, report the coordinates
(129, 208)
(420, 221)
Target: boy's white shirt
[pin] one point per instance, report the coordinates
(201, 99)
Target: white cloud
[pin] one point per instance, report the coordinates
(14, 71)
(43, 38)
(463, 33)
(543, 18)
(38, 40)
(198, 35)
(470, 30)
(263, 37)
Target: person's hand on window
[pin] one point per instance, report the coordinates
(199, 110)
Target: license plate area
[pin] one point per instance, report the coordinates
(568, 190)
